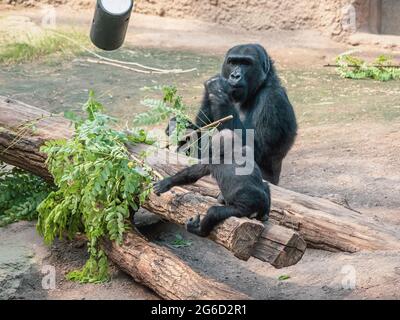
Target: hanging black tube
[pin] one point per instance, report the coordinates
(110, 23)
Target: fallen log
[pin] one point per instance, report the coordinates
(279, 246)
(147, 263)
(20, 146)
(321, 223)
(237, 235)
(160, 270)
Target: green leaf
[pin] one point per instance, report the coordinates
(284, 277)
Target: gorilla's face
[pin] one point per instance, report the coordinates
(245, 70)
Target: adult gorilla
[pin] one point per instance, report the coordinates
(250, 90)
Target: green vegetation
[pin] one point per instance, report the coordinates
(161, 110)
(99, 185)
(180, 242)
(356, 68)
(20, 194)
(44, 44)
(284, 277)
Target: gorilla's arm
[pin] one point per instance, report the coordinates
(275, 122)
(217, 105)
(274, 140)
(187, 176)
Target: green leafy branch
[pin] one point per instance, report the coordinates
(20, 194)
(161, 110)
(99, 186)
(382, 69)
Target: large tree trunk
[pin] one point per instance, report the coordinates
(162, 271)
(322, 223)
(237, 235)
(244, 237)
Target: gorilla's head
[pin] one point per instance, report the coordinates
(246, 68)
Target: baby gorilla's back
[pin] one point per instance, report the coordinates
(246, 192)
(244, 195)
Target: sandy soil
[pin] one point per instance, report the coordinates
(351, 157)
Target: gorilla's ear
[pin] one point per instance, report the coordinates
(265, 59)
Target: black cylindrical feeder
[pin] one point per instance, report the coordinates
(110, 23)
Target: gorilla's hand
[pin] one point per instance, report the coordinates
(162, 186)
(218, 90)
(193, 225)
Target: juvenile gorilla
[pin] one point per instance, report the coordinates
(243, 195)
(249, 89)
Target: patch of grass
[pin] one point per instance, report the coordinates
(180, 242)
(40, 46)
(322, 98)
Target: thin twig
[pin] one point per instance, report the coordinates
(211, 125)
(359, 66)
(133, 69)
(119, 66)
(143, 163)
(152, 69)
(23, 129)
(207, 118)
(214, 124)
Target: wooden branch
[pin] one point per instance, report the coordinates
(162, 271)
(211, 125)
(214, 124)
(238, 235)
(356, 66)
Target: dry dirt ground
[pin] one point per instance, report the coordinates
(349, 155)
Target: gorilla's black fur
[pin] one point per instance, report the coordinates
(249, 89)
(243, 195)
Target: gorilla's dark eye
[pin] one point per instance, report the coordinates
(240, 60)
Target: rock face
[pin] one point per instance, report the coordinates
(21, 253)
(327, 15)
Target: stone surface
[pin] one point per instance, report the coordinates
(326, 16)
(18, 258)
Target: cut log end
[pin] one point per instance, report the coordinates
(240, 235)
(286, 248)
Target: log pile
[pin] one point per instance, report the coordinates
(241, 236)
(323, 224)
